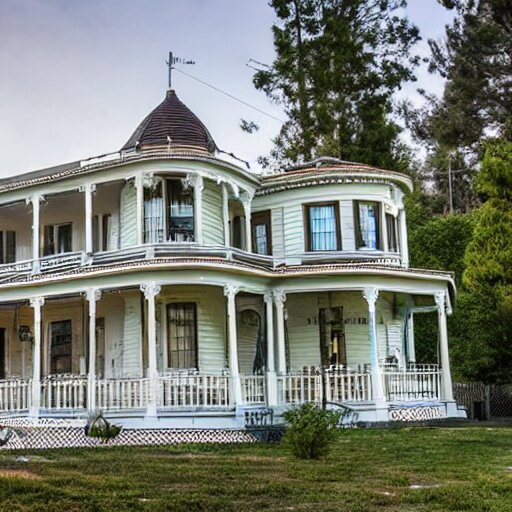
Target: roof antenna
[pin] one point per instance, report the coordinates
(175, 60)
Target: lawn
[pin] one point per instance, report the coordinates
(400, 469)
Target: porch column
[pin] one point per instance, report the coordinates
(371, 295)
(225, 215)
(271, 368)
(246, 199)
(198, 208)
(279, 300)
(440, 298)
(35, 200)
(151, 290)
(230, 291)
(88, 189)
(92, 295)
(139, 186)
(404, 245)
(36, 303)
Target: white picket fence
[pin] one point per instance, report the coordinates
(253, 389)
(15, 395)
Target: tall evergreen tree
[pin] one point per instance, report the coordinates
(338, 63)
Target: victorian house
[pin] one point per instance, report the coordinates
(166, 285)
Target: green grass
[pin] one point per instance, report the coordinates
(463, 469)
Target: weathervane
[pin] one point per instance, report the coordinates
(176, 60)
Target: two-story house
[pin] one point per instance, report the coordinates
(166, 285)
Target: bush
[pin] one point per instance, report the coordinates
(310, 430)
(100, 428)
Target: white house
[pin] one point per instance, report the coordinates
(164, 285)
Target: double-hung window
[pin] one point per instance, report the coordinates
(58, 239)
(182, 335)
(61, 338)
(180, 203)
(392, 236)
(322, 227)
(367, 225)
(102, 232)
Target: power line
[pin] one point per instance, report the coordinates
(230, 96)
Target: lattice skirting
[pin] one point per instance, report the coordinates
(416, 413)
(62, 435)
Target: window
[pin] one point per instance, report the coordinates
(102, 232)
(7, 246)
(61, 338)
(366, 218)
(154, 228)
(57, 239)
(322, 227)
(182, 335)
(238, 238)
(391, 228)
(261, 233)
(180, 211)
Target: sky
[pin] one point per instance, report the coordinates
(77, 76)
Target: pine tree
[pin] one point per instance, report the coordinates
(338, 64)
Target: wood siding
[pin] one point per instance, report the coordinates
(128, 207)
(213, 232)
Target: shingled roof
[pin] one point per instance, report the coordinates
(172, 120)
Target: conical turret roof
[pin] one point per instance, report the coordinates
(171, 122)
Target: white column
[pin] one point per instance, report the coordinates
(35, 200)
(92, 296)
(225, 215)
(230, 291)
(139, 186)
(371, 294)
(151, 290)
(198, 208)
(36, 303)
(279, 300)
(404, 245)
(440, 298)
(271, 369)
(88, 189)
(246, 199)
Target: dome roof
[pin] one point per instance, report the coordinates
(172, 120)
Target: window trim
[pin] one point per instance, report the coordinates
(307, 225)
(357, 224)
(168, 305)
(258, 218)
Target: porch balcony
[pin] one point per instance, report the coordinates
(187, 391)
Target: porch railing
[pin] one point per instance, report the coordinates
(300, 387)
(15, 395)
(343, 385)
(195, 391)
(253, 389)
(418, 382)
(125, 393)
(64, 392)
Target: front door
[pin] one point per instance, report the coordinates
(332, 337)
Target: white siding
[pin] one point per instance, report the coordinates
(294, 230)
(358, 344)
(277, 233)
(128, 215)
(347, 226)
(131, 349)
(213, 232)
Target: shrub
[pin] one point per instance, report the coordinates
(310, 430)
(100, 428)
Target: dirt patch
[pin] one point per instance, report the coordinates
(18, 473)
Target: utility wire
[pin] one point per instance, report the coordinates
(230, 96)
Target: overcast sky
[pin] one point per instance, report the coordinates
(76, 77)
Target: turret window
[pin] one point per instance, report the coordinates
(391, 229)
(322, 227)
(367, 226)
(182, 335)
(181, 212)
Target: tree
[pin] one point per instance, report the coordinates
(338, 63)
(475, 58)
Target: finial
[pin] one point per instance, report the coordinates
(170, 64)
